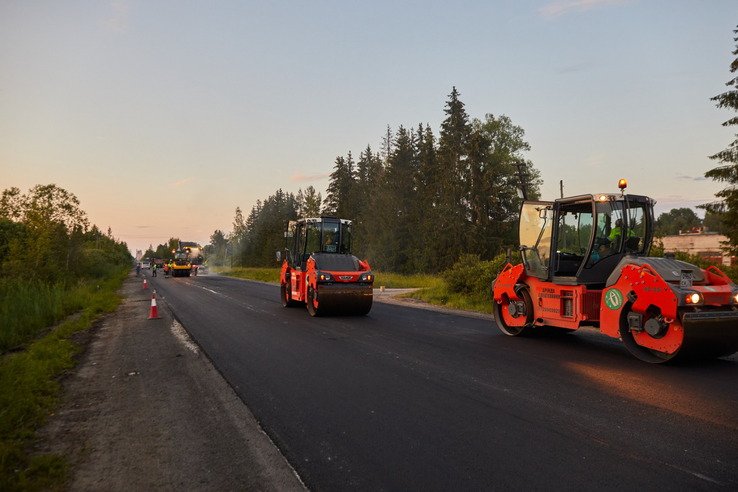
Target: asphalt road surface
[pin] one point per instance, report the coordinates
(410, 399)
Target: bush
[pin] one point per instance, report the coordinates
(472, 276)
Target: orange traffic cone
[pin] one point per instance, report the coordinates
(154, 312)
(145, 286)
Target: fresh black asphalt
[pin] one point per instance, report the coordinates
(407, 399)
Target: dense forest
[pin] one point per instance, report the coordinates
(418, 204)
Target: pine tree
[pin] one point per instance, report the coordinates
(727, 171)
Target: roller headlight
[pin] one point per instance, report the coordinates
(324, 276)
(366, 277)
(734, 298)
(693, 298)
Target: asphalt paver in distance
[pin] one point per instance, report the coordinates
(144, 410)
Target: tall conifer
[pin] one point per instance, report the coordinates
(727, 171)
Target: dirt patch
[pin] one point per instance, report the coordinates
(144, 410)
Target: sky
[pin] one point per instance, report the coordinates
(163, 117)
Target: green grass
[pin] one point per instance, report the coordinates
(432, 287)
(398, 281)
(29, 392)
(27, 307)
(389, 280)
(441, 296)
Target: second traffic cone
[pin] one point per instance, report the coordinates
(145, 286)
(154, 312)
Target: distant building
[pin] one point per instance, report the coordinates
(139, 255)
(700, 243)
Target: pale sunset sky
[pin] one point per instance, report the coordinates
(163, 117)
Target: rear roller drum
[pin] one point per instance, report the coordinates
(287, 297)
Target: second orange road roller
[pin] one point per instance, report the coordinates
(318, 269)
(586, 263)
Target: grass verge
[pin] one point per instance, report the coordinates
(433, 289)
(440, 295)
(29, 387)
(389, 280)
(261, 274)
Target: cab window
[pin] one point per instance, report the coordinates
(608, 231)
(312, 241)
(345, 246)
(637, 233)
(330, 237)
(535, 237)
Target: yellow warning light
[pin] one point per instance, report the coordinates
(622, 184)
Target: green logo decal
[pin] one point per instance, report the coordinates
(613, 299)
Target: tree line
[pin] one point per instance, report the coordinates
(46, 237)
(418, 204)
(50, 261)
(681, 220)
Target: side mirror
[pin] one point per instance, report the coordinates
(279, 256)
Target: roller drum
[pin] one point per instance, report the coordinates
(709, 334)
(344, 300)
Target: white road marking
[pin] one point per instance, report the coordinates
(183, 337)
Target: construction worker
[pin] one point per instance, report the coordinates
(166, 270)
(138, 268)
(617, 232)
(153, 270)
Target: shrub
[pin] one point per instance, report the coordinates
(472, 276)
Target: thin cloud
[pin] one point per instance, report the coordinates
(119, 21)
(562, 7)
(595, 160)
(690, 178)
(180, 183)
(573, 68)
(298, 177)
(678, 201)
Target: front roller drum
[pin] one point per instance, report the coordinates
(701, 336)
(346, 302)
(515, 318)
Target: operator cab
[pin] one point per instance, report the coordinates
(180, 257)
(319, 237)
(580, 240)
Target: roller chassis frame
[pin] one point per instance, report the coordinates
(641, 309)
(586, 263)
(330, 280)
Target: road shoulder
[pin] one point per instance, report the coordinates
(145, 410)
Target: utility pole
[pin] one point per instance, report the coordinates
(523, 186)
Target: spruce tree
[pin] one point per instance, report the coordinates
(337, 199)
(727, 171)
(396, 204)
(453, 207)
